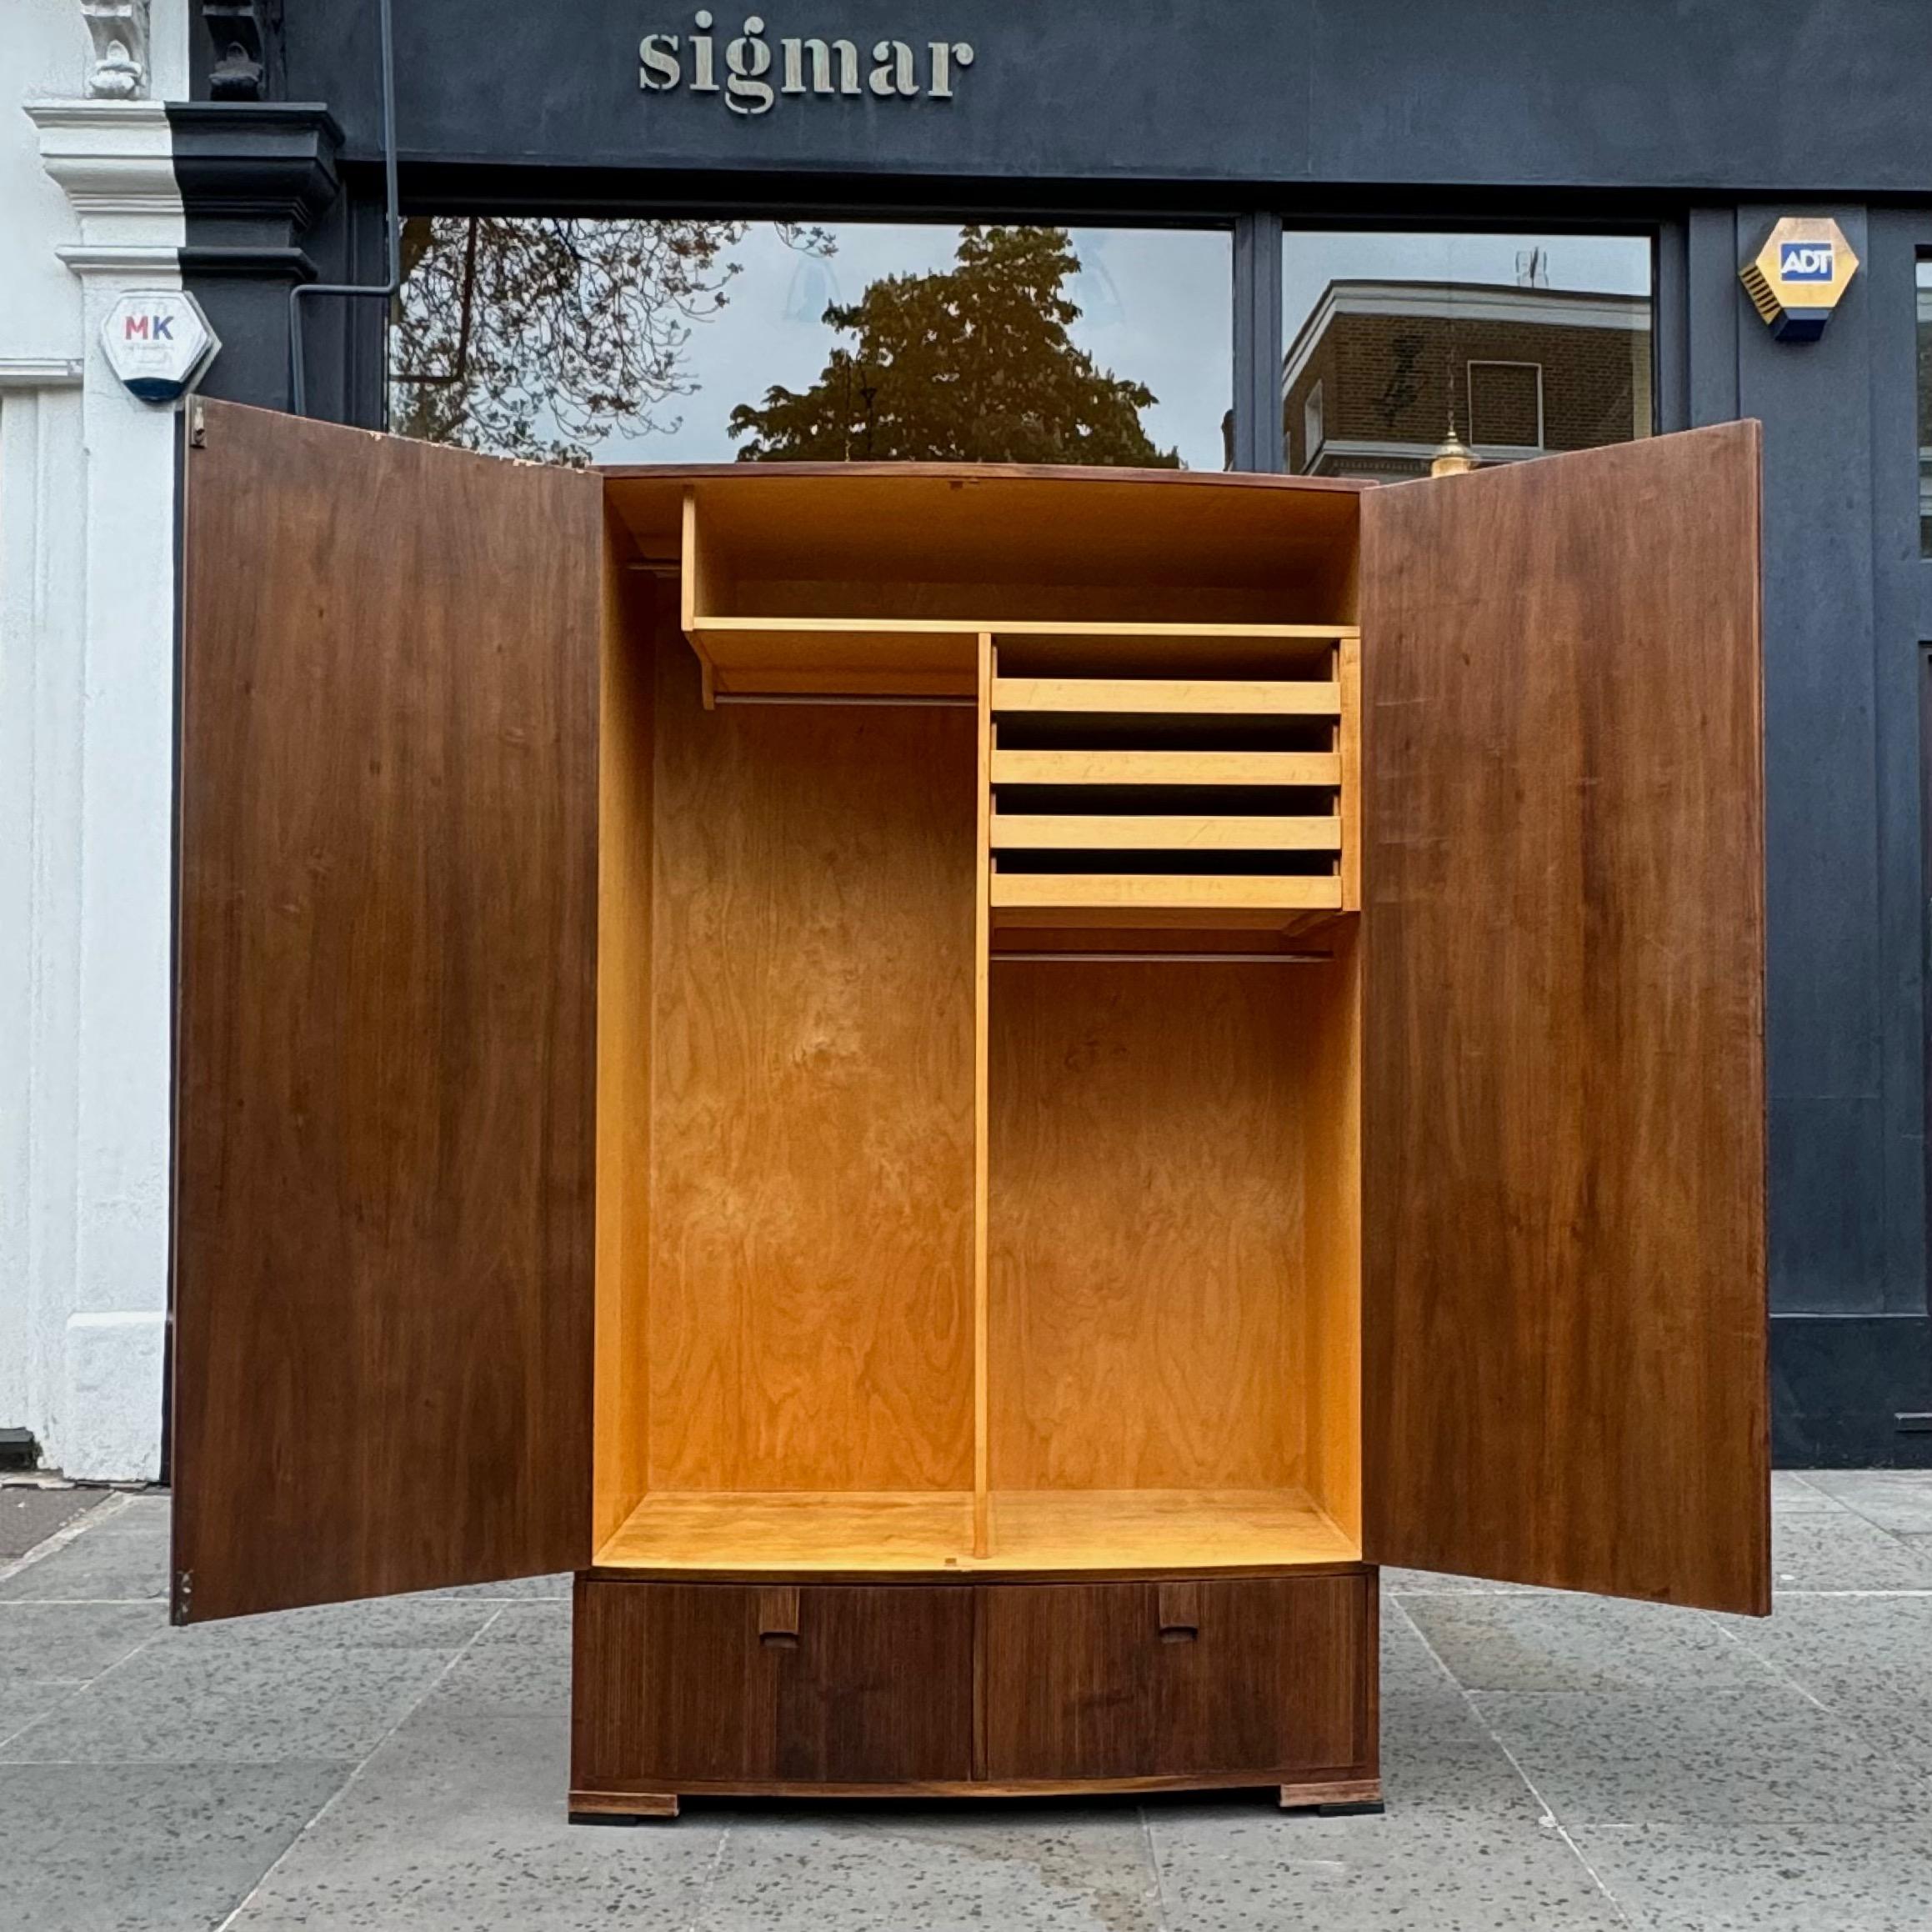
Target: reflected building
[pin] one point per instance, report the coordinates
(1379, 369)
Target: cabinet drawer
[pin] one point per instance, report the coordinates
(1179, 1679)
(685, 1685)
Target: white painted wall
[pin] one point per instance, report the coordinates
(87, 210)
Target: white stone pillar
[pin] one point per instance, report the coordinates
(87, 728)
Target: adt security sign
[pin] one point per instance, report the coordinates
(1797, 278)
(158, 341)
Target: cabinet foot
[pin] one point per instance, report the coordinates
(1336, 1798)
(621, 1807)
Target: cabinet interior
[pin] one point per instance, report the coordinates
(978, 1011)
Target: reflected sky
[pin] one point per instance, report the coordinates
(1601, 264)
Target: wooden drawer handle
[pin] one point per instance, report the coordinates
(778, 1616)
(1180, 1612)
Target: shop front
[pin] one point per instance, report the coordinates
(1355, 244)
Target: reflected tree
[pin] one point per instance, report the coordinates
(539, 337)
(972, 363)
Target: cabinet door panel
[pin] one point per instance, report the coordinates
(1118, 1680)
(384, 1081)
(1563, 1079)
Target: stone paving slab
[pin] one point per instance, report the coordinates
(110, 1561)
(887, 1868)
(23, 1701)
(456, 1825)
(1718, 1758)
(1233, 1869)
(1792, 1495)
(1764, 1879)
(1557, 1643)
(30, 1514)
(1843, 1551)
(146, 1847)
(71, 1642)
(1899, 1501)
(175, 1703)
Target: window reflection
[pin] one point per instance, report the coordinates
(712, 341)
(1515, 345)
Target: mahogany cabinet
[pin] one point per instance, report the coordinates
(970, 1090)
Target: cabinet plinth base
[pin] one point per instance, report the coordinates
(1334, 1797)
(621, 1807)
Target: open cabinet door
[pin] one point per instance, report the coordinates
(1564, 1317)
(386, 976)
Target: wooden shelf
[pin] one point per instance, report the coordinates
(1173, 697)
(1163, 831)
(1033, 1532)
(845, 657)
(938, 657)
(1167, 892)
(1166, 768)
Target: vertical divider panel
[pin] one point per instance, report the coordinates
(1349, 746)
(981, 992)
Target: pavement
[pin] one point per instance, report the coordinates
(1552, 1762)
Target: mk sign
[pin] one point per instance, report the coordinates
(156, 341)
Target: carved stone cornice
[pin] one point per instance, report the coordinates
(255, 165)
(114, 161)
(110, 158)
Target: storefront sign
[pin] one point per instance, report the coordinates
(1798, 278)
(751, 73)
(158, 341)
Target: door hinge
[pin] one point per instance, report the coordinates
(197, 424)
(183, 1596)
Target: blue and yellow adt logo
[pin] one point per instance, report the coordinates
(1798, 276)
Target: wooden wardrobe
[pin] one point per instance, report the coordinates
(969, 1089)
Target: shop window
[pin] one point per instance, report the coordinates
(715, 341)
(1523, 342)
(1925, 409)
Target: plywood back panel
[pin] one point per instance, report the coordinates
(1147, 1224)
(635, 607)
(812, 1147)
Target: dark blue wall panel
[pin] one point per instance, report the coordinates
(1825, 1063)
(1779, 95)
